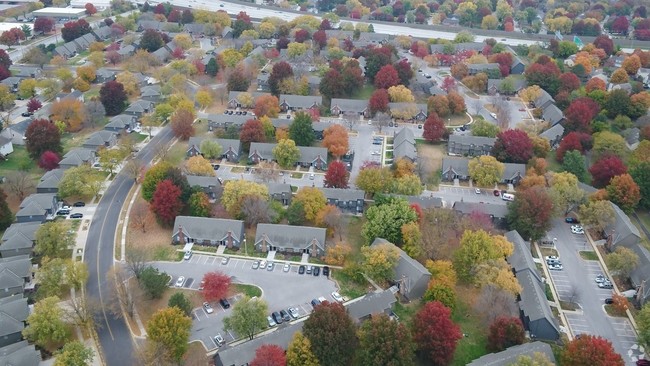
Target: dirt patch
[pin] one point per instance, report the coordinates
(430, 160)
(147, 307)
(156, 239)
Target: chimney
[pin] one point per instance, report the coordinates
(181, 235)
(313, 246)
(229, 240)
(263, 248)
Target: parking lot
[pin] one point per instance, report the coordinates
(280, 290)
(576, 283)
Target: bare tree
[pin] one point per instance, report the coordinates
(381, 120)
(82, 311)
(502, 112)
(256, 210)
(123, 296)
(477, 105)
(152, 354)
(574, 294)
(162, 152)
(20, 184)
(350, 119)
(94, 112)
(140, 216)
(334, 221)
(134, 168)
(494, 302)
(127, 145)
(267, 172)
(136, 259)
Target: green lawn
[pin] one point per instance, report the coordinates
(474, 344)
(248, 290)
(18, 160)
(589, 255)
(348, 287)
(553, 164)
(364, 93)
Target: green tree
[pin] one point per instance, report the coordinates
(210, 149)
(6, 216)
(481, 127)
(574, 163)
(53, 239)
(442, 293)
(476, 248)
(486, 170)
(299, 352)
(538, 359)
(286, 153)
(313, 201)
(531, 213)
(111, 158)
(212, 68)
(162, 112)
(332, 334)
(565, 192)
(27, 88)
(152, 177)
(51, 277)
(386, 221)
(74, 354)
(622, 261)
(234, 192)
(374, 180)
(296, 213)
(412, 239)
(379, 261)
(170, 328)
(76, 274)
(597, 214)
(153, 282)
(248, 317)
(301, 130)
(81, 181)
(383, 341)
(45, 323)
(200, 204)
(641, 175)
(181, 301)
(609, 143)
(409, 185)
(643, 322)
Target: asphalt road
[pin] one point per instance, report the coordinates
(576, 282)
(114, 335)
(280, 290)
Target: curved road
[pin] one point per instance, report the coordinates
(114, 335)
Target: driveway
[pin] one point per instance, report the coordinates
(449, 195)
(280, 290)
(576, 283)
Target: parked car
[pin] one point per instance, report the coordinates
(337, 297)
(218, 339)
(180, 281)
(496, 193)
(322, 299)
(277, 317)
(555, 267)
(571, 220)
(270, 266)
(552, 258)
(79, 204)
(301, 270)
(316, 271)
(294, 313)
(308, 270)
(63, 212)
(77, 215)
(271, 322)
(315, 302)
(285, 316)
(208, 308)
(224, 303)
(326, 271)
(225, 260)
(577, 229)
(600, 278)
(26, 114)
(609, 300)
(286, 267)
(187, 255)
(256, 265)
(606, 284)
(477, 190)
(263, 264)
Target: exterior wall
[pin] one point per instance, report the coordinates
(10, 339)
(6, 149)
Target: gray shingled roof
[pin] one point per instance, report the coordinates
(36, 204)
(350, 105)
(495, 210)
(457, 165)
(300, 101)
(641, 273)
(553, 133)
(208, 228)
(150, 91)
(264, 149)
(202, 181)
(416, 275)
(278, 188)
(510, 355)
(404, 145)
(224, 143)
(533, 299)
(552, 114)
(469, 140)
(19, 235)
(308, 154)
(343, 194)
(19, 354)
(121, 121)
(13, 313)
(544, 100)
(622, 226)
(20, 266)
(51, 179)
(374, 303)
(77, 156)
(521, 259)
(287, 236)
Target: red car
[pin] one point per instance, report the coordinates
(497, 193)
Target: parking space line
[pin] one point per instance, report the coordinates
(211, 260)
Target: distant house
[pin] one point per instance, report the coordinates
(209, 185)
(227, 32)
(104, 75)
(469, 145)
(230, 148)
(208, 231)
(121, 123)
(38, 207)
(622, 231)
(280, 192)
(15, 274)
(100, 139)
(517, 67)
(309, 156)
(553, 135)
(494, 86)
(640, 275)
(140, 107)
(19, 239)
(418, 112)
(162, 54)
(290, 239)
(347, 200)
(12, 82)
(151, 93)
(78, 156)
(340, 106)
(49, 182)
(424, 202)
(534, 309)
(6, 146)
(243, 354)
(458, 168)
(510, 356)
(233, 98)
(404, 145)
(375, 303)
(632, 136)
(260, 151)
(485, 68)
(497, 212)
(467, 46)
(544, 100)
(225, 121)
(13, 317)
(294, 103)
(20, 354)
(73, 95)
(411, 278)
(552, 114)
(126, 51)
(24, 71)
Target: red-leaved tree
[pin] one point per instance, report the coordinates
(573, 141)
(332, 334)
(49, 160)
(90, 9)
(386, 77)
(41, 136)
(43, 25)
(182, 124)
(215, 286)
(434, 128)
(505, 332)
(336, 175)
(605, 169)
(435, 334)
(588, 350)
(166, 203)
(580, 113)
(513, 146)
(251, 131)
(379, 101)
(569, 82)
(623, 191)
(269, 355)
(113, 97)
(33, 105)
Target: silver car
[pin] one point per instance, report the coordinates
(270, 266)
(286, 267)
(218, 339)
(256, 265)
(272, 322)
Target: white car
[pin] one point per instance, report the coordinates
(187, 255)
(263, 264)
(555, 267)
(552, 258)
(286, 267)
(218, 339)
(577, 231)
(224, 260)
(477, 191)
(180, 281)
(294, 313)
(322, 299)
(208, 308)
(493, 115)
(256, 265)
(336, 296)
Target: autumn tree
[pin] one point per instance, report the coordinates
(41, 136)
(383, 341)
(286, 153)
(49, 160)
(269, 355)
(198, 165)
(513, 146)
(386, 221)
(248, 317)
(251, 131)
(238, 81)
(578, 141)
(280, 71)
(336, 140)
(337, 175)
(301, 130)
(267, 105)
(374, 179)
(113, 97)
(606, 168)
(434, 128)
(504, 333)
(641, 175)
(622, 261)
(215, 286)
(386, 77)
(596, 214)
(312, 199)
(45, 323)
(476, 249)
(624, 192)
(531, 212)
(53, 240)
(166, 202)
(81, 181)
(33, 105)
(199, 204)
(299, 352)
(485, 170)
(378, 101)
(588, 350)
(170, 328)
(74, 354)
(435, 334)
(234, 192)
(152, 177)
(379, 261)
(43, 25)
(332, 334)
